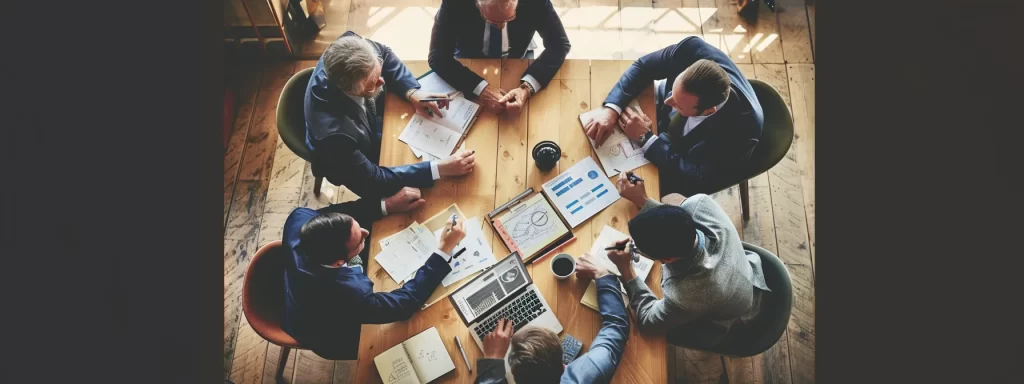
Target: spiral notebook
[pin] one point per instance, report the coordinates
(420, 359)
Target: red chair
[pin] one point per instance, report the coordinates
(263, 299)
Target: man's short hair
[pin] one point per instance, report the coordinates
(708, 81)
(664, 232)
(536, 356)
(348, 61)
(324, 238)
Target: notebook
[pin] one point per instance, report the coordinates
(420, 359)
(618, 151)
(607, 238)
(438, 136)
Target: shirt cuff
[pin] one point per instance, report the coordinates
(447, 257)
(649, 142)
(480, 87)
(433, 170)
(613, 106)
(383, 208)
(533, 82)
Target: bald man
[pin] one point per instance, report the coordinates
(709, 119)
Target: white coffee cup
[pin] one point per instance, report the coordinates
(563, 256)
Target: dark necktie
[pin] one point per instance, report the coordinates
(676, 124)
(494, 48)
(371, 112)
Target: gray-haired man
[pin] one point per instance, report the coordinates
(344, 120)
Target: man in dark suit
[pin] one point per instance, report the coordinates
(709, 117)
(344, 119)
(496, 29)
(327, 293)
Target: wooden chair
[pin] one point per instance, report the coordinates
(776, 138)
(263, 299)
(766, 329)
(291, 119)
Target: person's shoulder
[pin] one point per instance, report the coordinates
(302, 214)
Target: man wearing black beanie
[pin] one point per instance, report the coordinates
(710, 283)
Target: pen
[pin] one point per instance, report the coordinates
(463, 351)
(633, 178)
(436, 99)
(632, 250)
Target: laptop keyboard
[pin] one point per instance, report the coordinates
(521, 311)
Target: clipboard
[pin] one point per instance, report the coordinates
(550, 230)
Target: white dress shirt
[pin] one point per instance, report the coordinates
(361, 101)
(504, 53)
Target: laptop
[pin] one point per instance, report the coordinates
(505, 290)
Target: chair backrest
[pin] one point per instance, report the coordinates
(766, 329)
(263, 294)
(777, 133)
(291, 118)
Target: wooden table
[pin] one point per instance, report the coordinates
(504, 168)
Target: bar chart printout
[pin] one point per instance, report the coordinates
(581, 191)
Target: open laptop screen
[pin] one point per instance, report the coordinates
(491, 288)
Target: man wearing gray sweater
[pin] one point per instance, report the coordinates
(710, 283)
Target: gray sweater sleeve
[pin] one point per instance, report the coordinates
(653, 314)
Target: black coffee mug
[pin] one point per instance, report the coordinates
(546, 154)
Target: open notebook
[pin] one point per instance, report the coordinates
(607, 238)
(438, 136)
(420, 359)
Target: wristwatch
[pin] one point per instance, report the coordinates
(529, 88)
(646, 136)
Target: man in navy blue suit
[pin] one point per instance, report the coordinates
(344, 119)
(327, 293)
(707, 112)
(497, 29)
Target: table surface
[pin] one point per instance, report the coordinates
(504, 168)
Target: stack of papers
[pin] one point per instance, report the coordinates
(405, 252)
(436, 137)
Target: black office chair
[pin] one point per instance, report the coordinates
(776, 137)
(766, 329)
(291, 119)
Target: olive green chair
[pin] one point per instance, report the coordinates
(766, 329)
(291, 119)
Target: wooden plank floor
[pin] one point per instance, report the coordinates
(264, 181)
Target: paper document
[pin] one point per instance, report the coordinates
(430, 137)
(581, 192)
(434, 83)
(406, 251)
(477, 256)
(420, 359)
(618, 151)
(607, 238)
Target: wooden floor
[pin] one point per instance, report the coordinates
(264, 181)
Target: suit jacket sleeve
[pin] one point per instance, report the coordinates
(396, 75)
(365, 211)
(402, 303)
(556, 47)
(599, 363)
(367, 179)
(671, 164)
(442, 52)
(653, 314)
(642, 73)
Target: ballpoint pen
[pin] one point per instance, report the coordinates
(622, 247)
(463, 351)
(633, 178)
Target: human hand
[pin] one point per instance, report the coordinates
(491, 99)
(589, 268)
(622, 259)
(406, 200)
(602, 126)
(452, 235)
(515, 100)
(634, 123)
(461, 163)
(428, 108)
(635, 193)
(496, 343)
